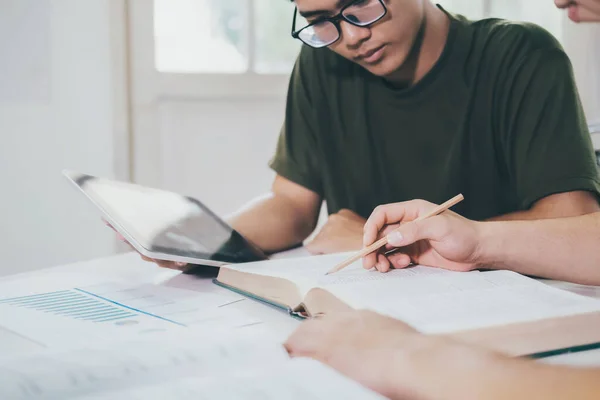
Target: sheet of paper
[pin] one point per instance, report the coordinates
(112, 311)
(450, 302)
(293, 253)
(128, 364)
(300, 379)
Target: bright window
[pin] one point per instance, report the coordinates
(242, 36)
(541, 12)
(224, 36)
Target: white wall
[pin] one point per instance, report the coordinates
(218, 150)
(55, 112)
(582, 43)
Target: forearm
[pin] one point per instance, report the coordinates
(272, 223)
(439, 369)
(526, 215)
(561, 205)
(539, 213)
(562, 249)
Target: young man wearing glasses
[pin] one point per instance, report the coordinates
(392, 100)
(400, 99)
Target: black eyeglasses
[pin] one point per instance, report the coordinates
(326, 31)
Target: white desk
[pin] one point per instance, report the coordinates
(131, 269)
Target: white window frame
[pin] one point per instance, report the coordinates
(197, 86)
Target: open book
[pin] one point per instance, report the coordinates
(193, 366)
(501, 310)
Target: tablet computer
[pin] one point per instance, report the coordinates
(164, 225)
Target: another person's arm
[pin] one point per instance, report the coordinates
(562, 248)
(568, 204)
(391, 358)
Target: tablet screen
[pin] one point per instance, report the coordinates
(167, 222)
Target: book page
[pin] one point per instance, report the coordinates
(128, 364)
(443, 303)
(430, 299)
(310, 272)
(301, 379)
(293, 253)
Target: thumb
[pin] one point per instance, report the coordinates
(414, 231)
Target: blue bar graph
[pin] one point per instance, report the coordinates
(83, 305)
(73, 303)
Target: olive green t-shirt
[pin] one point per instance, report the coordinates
(498, 119)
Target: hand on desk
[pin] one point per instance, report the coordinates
(359, 344)
(342, 232)
(161, 263)
(447, 241)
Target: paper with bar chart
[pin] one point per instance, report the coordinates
(73, 316)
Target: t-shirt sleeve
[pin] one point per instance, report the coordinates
(546, 141)
(296, 154)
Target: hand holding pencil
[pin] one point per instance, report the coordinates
(422, 231)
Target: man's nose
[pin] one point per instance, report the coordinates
(354, 35)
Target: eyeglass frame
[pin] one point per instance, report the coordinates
(335, 20)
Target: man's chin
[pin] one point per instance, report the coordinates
(382, 69)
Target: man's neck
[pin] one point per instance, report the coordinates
(427, 49)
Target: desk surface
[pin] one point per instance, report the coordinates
(131, 269)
